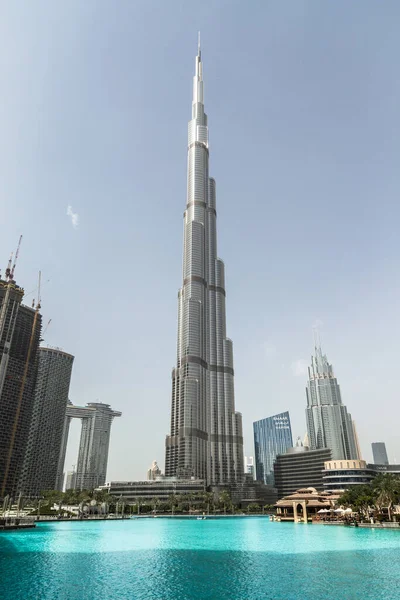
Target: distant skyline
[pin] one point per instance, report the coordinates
(303, 105)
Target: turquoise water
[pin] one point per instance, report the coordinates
(232, 559)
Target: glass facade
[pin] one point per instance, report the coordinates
(272, 436)
(300, 468)
(206, 439)
(40, 467)
(329, 424)
(379, 453)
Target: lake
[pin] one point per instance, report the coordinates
(180, 559)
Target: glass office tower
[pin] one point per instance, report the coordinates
(379, 453)
(329, 424)
(272, 436)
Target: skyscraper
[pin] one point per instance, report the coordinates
(70, 480)
(92, 462)
(45, 435)
(20, 328)
(154, 471)
(206, 439)
(272, 436)
(379, 453)
(329, 424)
(249, 465)
(357, 441)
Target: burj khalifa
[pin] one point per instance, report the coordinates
(206, 439)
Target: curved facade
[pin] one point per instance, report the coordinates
(300, 468)
(45, 435)
(206, 433)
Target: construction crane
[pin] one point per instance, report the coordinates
(45, 329)
(47, 326)
(8, 269)
(16, 258)
(21, 392)
(8, 315)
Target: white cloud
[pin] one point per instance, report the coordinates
(317, 324)
(299, 367)
(73, 216)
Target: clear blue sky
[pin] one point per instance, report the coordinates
(303, 101)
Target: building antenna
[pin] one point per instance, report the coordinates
(198, 44)
(38, 306)
(317, 338)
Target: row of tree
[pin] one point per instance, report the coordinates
(206, 502)
(376, 497)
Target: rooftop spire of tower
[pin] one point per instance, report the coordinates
(198, 95)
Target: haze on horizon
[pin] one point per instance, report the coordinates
(303, 107)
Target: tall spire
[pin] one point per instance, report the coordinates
(198, 94)
(206, 438)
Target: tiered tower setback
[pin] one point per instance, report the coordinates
(329, 424)
(206, 439)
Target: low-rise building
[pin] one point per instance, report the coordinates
(346, 473)
(144, 491)
(305, 504)
(249, 491)
(300, 468)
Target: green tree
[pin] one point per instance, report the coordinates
(208, 501)
(53, 497)
(155, 503)
(172, 501)
(360, 498)
(184, 502)
(138, 504)
(225, 500)
(386, 489)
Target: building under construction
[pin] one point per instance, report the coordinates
(20, 328)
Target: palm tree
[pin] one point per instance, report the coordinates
(225, 499)
(138, 505)
(155, 502)
(208, 498)
(193, 499)
(184, 501)
(386, 488)
(172, 500)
